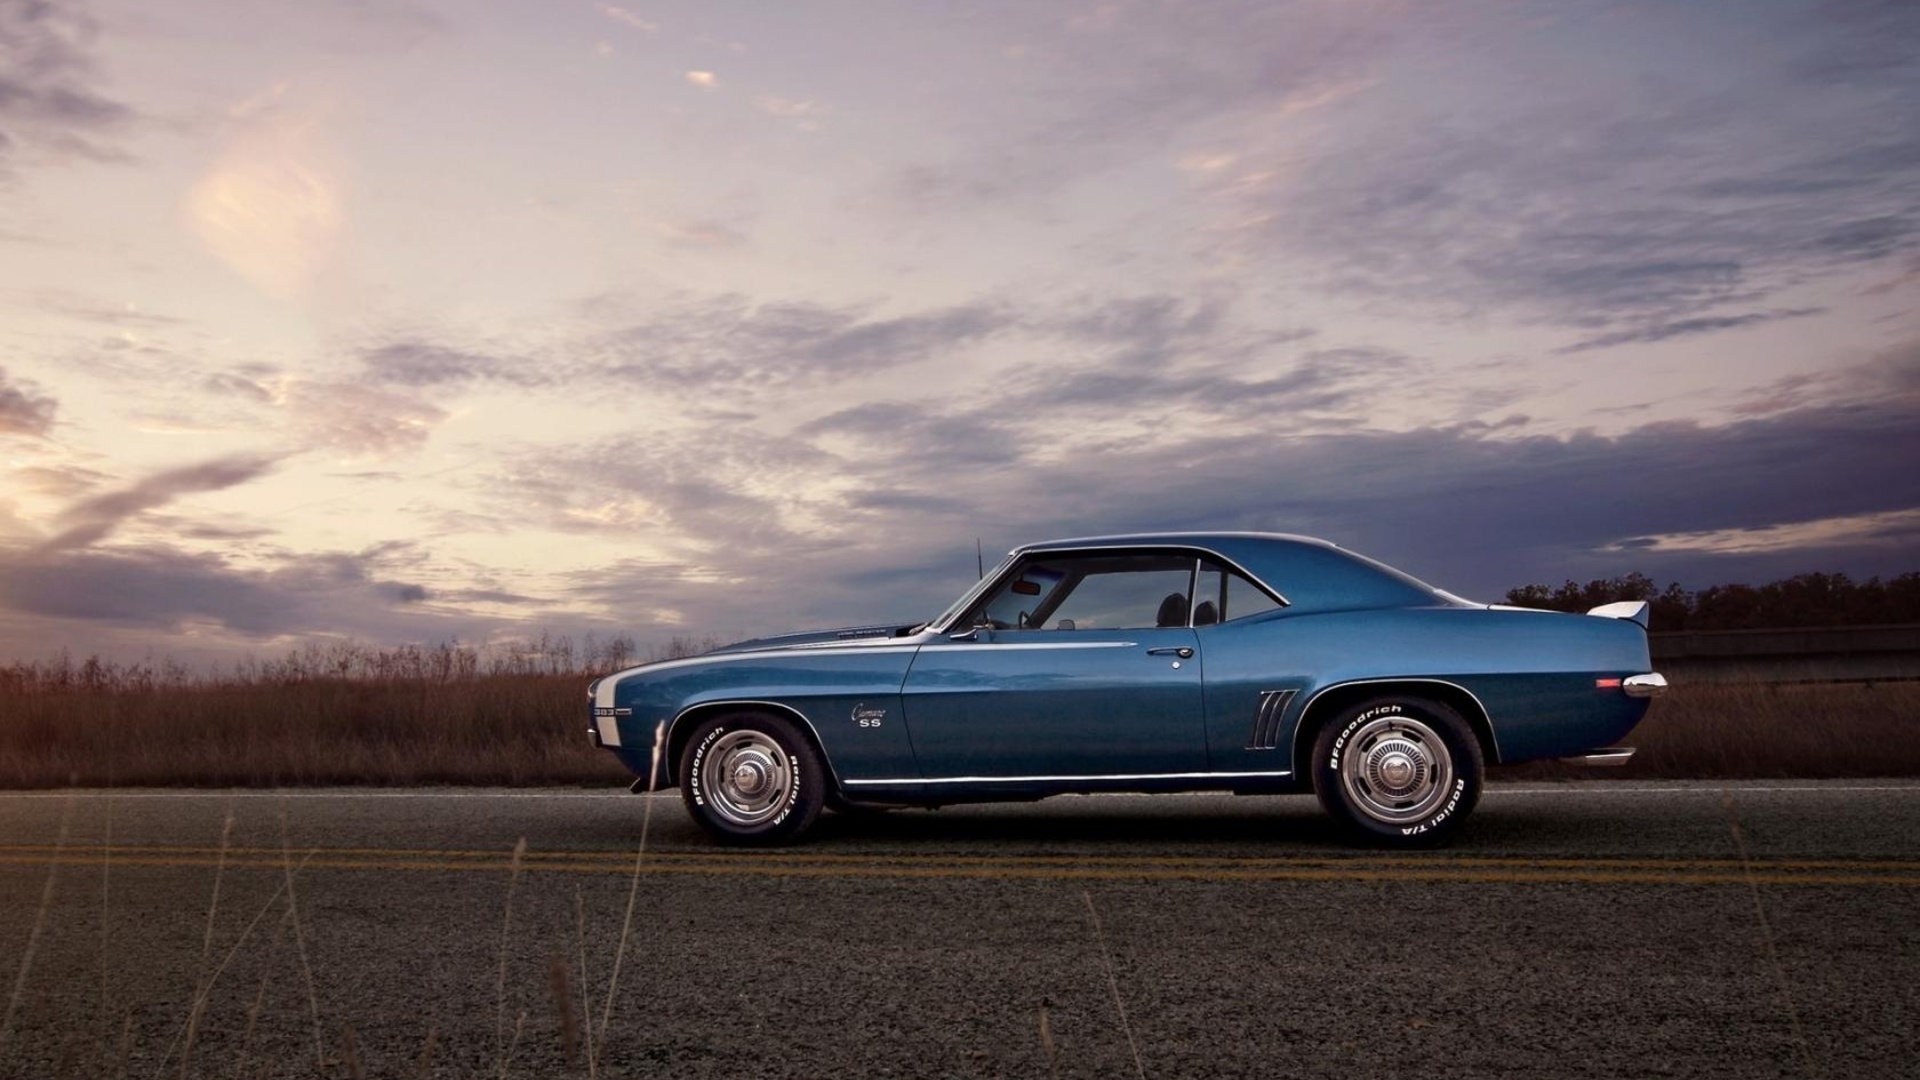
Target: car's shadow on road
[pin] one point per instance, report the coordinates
(1168, 825)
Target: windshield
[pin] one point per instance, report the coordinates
(967, 598)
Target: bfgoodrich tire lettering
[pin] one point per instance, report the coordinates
(1400, 771)
(751, 778)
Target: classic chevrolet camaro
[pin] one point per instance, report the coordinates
(1243, 662)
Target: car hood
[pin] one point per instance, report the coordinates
(815, 638)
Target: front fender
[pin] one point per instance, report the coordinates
(849, 700)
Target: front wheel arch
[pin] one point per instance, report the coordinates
(681, 727)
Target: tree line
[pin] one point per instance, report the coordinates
(1801, 600)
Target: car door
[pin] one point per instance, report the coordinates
(1074, 666)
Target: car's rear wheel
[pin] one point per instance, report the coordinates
(751, 778)
(1402, 771)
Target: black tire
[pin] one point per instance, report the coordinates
(1398, 771)
(752, 778)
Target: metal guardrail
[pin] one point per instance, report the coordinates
(1818, 654)
(1798, 641)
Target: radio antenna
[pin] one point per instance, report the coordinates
(979, 558)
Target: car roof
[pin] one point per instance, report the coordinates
(1176, 539)
(1308, 573)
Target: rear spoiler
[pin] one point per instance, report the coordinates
(1634, 610)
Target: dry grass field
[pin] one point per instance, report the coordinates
(1731, 731)
(453, 716)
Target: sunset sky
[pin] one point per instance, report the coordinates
(408, 322)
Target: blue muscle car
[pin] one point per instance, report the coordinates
(1252, 663)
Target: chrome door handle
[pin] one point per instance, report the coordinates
(1183, 652)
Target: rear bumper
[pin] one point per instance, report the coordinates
(1651, 685)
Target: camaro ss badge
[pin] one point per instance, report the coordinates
(866, 717)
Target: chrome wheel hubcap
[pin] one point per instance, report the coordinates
(1396, 770)
(747, 778)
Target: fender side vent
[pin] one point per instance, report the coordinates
(1266, 720)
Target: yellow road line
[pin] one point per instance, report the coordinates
(534, 857)
(1434, 871)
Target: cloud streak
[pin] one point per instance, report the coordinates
(1647, 335)
(49, 105)
(91, 520)
(763, 542)
(23, 409)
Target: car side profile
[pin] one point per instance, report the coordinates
(1247, 662)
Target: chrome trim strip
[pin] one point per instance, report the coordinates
(1651, 685)
(936, 649)
(1056, 779)
(1613, 755)
(811, 649)
(872, 644)
(1477, 703)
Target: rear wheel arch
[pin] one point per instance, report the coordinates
(1331, 701)
(680, 728)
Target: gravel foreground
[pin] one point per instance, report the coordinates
(1597, 929)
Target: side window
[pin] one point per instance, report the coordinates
(1224, 595)
(1092, 592)
(1128, 598)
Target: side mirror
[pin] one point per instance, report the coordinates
(974, 632)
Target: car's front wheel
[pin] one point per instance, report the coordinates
(751, 778)
(1402, 771)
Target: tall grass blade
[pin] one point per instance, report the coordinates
(350, 1053)
(633, 894)
(260, 992)
(126, 1046)
(586, 981)
(1766, 937)
(423, 1065)
(106, 907)
(557, 985)
(300, 942)
(39, 926)
(519, 1026)
(500, 985)
(245, 935)
(1113, 982)
(1046, 1041)
(202, 985)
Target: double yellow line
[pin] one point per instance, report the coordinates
(1438, 867)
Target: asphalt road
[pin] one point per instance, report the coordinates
(1603, 930)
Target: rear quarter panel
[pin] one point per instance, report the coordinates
(1532, 672)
